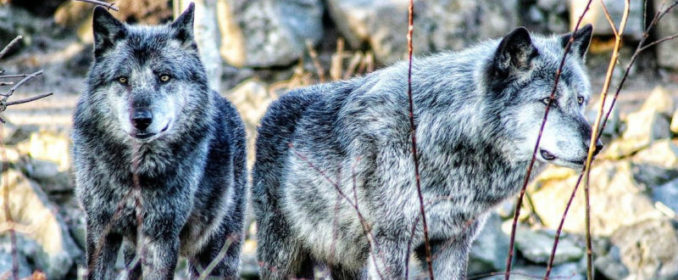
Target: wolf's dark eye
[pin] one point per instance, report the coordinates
(580, 100)
(546, 101)
(164, 78)
(123, 80)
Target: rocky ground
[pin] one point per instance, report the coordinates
(634, 181)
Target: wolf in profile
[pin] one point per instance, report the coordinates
(149, 119)
(326, 152)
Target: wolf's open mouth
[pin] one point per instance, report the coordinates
(546, 155)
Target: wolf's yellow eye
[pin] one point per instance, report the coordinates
(580, 100)
(122, 80)
(164, 78)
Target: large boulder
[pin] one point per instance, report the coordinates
(264, 33)
(536, 246)
(649, 249)
(617, 199)
(37, 220)
(488, 252)
(438, 24)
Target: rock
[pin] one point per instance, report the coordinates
(15, 21)
(264, 33)
(438, 24)
(643, 128)
(649, 249)
(616, 200)
(48, 146)
(667, 194)
(6, 260)
(596, 16)
(251, 98)
(544, 16)
(660, 101)
(42, 8)
(54, 251)
(610, 264)
(674, 122)
(488, 252)
(667, 26)
(572, 271)
(536, 246)
(657, 164)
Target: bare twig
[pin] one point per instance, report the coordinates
(17, 85)
(6, 83)
(316, 63)
(30, 99)
(109, 6)
(13, 76)
(219, 257)
(337, 63)
(413, 132)
(519, 203)
(10, 45)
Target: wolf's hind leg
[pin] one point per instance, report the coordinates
(279, 255)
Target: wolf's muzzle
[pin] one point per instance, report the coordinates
(141, 118)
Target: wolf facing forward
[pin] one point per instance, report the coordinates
(326, 152)
(149, 119)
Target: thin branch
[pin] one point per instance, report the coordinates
(13, 76)
(17, 85)
(109, 6)
(220, 256)
(30, 99)
(609, 19)
(10, 45)
(316, 63)
(6, 83)
(413, 132)
(509, 258)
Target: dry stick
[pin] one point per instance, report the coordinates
(220, 256)
(363, 222)
(594, 136)
(30, 99)
(516, 214)
(8, 213)
(316, 63)
(9, 46)
(101, 3)
(17, 85)
(6, 83)
(13, 76)
(353, 65)
(413, 132)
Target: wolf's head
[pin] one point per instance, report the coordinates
(519, 80)
(146, 81)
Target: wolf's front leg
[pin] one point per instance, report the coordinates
(387, 259)
(159, 257)
(102, 250)
(450, 257)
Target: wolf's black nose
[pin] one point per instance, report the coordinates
(142, 118)
(599, 146)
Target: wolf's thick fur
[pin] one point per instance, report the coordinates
(148, 110)
(478, 113)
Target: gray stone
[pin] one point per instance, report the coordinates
(536, 246)
(616, 200)
(54, 251)
(667, 26)
(6, 259)
(643, 128)
(667, 194)
(263, 33)
(649, 249)
(657, 164)
(438, 24)
(251, 98)
(15, 21)
(660, 101)
(610, 264)
(488, 252)
(47, 174)
(572, 271)
(596, 16)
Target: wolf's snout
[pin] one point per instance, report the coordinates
(599, 146)
(142, 118)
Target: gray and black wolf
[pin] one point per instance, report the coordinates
(149, 116)
(326, 152)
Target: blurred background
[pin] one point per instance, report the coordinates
(255, 50)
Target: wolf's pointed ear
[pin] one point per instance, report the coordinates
(183, 25)
(107, 30)
(582, 39)
(515, 52)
